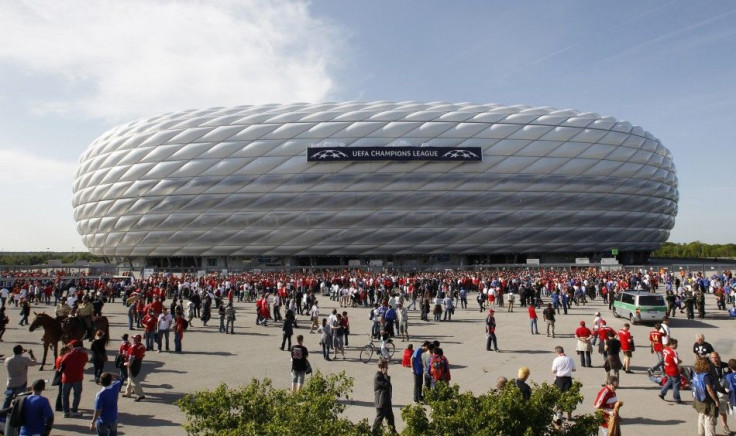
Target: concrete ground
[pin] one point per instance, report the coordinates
(210, 358)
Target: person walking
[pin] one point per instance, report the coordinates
(99, 354)
(288, 332)
(164, 326)
(230, 318)
(449, 307)
(562, 367)
(718, 372)
(16, 367)
(314, 315)
(583, 346)
(346, 327)
(57, 367)
(299, 363)
(221, 314)
(705, 400)
(627, 347)
(150, 322)
(105, 418)
(672, 371)
(533, 320)
(382, 390)
(38, 418)
(326, 340)
(180, 325)
(417, 370)
(135, 358)
(612, 348)
(491, 342)
(605, 402)
(72, 375)
(656, 347)
(123, 357)
(549, 319)
(338, 342)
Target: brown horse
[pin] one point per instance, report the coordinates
(55, 330)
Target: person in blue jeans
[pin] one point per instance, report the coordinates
(672, 371)
(105, 419)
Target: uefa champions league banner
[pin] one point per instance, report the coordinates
(344, 154)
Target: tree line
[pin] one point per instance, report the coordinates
(42, 257)
(697, 249)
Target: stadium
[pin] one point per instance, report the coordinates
(374, 183)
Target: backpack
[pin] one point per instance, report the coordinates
(120, 361)
(16, 413)
(698, 386)
(437, 368)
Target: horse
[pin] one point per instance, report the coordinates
(51, 333)
(65, 330)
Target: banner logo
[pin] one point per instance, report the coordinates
(401, 154)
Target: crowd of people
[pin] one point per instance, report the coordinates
(163, 303)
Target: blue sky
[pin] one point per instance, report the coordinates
(71, 70)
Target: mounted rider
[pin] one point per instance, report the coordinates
(63, 310)
(84, 312)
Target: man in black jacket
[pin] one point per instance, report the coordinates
(382, 388)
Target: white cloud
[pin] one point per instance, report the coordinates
(138, 58)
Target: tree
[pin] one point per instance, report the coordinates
(496, 412)
(261, 409)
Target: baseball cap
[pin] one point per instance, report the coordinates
(74, 343)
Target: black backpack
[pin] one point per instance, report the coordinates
(15, 419)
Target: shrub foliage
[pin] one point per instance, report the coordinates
(261, 409)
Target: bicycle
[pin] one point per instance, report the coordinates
(366, 353)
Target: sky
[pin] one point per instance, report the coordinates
(71, 70)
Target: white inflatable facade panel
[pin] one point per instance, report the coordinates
(236, 182)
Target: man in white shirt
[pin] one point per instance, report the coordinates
(4, 295)
(666, 333)
(314, 315)
(563, 367)
(164, 325)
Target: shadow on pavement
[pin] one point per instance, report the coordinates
(649, 421)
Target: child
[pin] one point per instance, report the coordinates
(406, 361)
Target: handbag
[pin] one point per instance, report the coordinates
(309, 367)
(56, 381)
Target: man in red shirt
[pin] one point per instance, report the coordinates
(671, 371)
(72, 376)
(533, 320)
(180, 324)
(627, 342)
(583, 346)
(150, 322)
(606, 400)
(655, 341)
(135, 358)
(123, 351)
(603, 330)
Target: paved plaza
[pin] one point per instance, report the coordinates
(211, 357)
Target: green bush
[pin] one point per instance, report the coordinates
(496, 412)
(261, 409)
